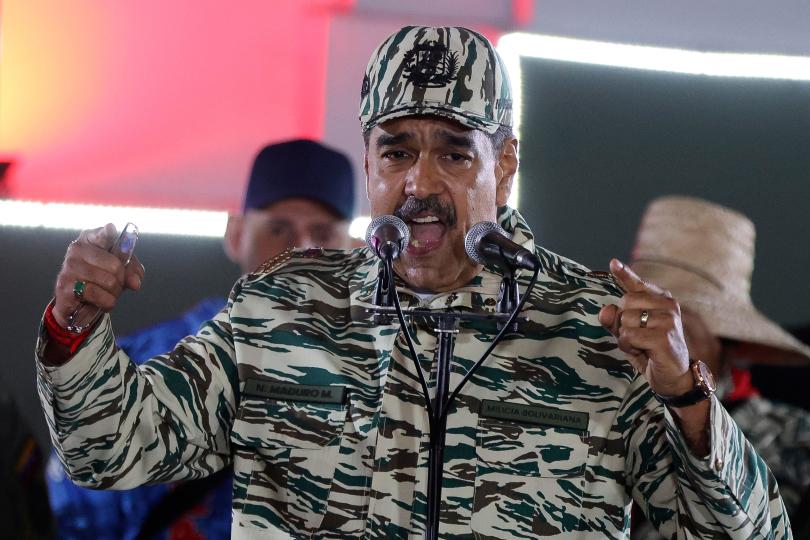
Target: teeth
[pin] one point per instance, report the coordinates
(429, 219)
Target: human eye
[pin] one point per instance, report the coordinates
(395, 155)
(279, 229)
(457, 157)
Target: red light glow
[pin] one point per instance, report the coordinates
(152, 102)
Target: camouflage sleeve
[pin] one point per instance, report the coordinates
(116, 425)
(730, 493)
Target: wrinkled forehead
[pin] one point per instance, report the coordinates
(425, 128)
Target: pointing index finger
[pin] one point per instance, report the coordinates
(627, 279)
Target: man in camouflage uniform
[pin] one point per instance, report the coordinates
(319, 409)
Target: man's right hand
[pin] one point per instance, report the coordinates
(88, 259)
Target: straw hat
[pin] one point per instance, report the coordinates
(704, 254)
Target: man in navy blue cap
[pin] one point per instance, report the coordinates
(300, 194)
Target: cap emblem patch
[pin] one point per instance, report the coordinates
(430, 65)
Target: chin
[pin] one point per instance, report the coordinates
(432, 274)
(423, 278)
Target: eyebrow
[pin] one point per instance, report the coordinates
(453, 139)
(447, 137)
(386, 139)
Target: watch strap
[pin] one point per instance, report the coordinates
(703, 388)
(693, 396)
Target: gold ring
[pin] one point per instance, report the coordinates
(645, 316)
(78, 289)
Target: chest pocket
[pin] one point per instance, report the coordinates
(529, 479)
(286, 453)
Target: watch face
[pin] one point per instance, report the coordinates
(706, 376)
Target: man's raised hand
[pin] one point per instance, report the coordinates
(647, 323)
(93, 275)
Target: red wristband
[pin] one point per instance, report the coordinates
(61, 335)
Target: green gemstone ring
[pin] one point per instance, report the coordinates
(78, 289)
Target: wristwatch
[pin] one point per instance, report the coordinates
(704, 387)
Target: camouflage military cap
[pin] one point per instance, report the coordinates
(452, 72)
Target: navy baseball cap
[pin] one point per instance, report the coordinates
(301, 168)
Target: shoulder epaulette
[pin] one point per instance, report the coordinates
(311, 253)
(597, 276)
(606, 277)
(277, 261)
(272, 263)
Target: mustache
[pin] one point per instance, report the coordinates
(413, 207)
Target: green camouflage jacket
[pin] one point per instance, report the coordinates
(320, 412)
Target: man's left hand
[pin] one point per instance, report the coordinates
(647, 324)
(655, 345)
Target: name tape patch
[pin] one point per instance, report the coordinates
(295, 392)
(534, 414)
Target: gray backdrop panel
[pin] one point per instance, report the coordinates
(598, 143)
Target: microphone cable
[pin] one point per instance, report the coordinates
(389, 268)
(437, 416)
(471, 371)
(498, 338)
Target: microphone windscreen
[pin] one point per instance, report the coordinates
(472, 240)
(378, 223)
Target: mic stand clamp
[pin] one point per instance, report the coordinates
(383, 297)
(508, 298)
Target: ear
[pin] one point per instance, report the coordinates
(505, 171)
(365, 170)
(233, 237)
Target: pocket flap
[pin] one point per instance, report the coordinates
(267, 423)
(525, 450)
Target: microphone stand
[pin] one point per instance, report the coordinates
(447, 329)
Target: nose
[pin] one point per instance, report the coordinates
(304, 240)
(423, 179)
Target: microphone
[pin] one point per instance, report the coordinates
(486, 242)
(387, 236)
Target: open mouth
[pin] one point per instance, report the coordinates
(427, 233)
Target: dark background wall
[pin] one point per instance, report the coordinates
(598, 143)
(180, 271)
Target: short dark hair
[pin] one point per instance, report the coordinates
(497, 139)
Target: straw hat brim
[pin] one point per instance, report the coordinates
(727, 316)
(766, 341)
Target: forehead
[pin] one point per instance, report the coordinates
(426, 128)
(297, 210)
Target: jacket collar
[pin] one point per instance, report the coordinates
(480, 294)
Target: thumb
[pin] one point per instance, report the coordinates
(103, 237)
(607, 317)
